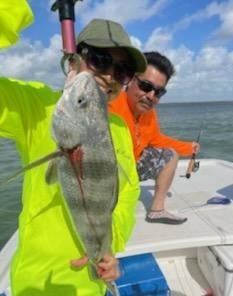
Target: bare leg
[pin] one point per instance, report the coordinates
(163, 183)
(158, 214)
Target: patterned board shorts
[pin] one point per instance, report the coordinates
(152, 161)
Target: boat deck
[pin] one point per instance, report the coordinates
(206, 226)
(175, 245)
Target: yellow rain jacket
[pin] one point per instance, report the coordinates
(47, 243)
(15, 15)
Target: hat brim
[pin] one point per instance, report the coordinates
(138, 58)
(136, 55)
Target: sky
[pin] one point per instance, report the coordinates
(196, 35)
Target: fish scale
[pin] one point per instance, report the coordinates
(81, 119)
(99, 199)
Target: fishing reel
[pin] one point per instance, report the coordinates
(193, 166)
(196, 166)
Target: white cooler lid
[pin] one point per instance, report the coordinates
(225, 255)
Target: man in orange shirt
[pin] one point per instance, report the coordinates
(156, 154)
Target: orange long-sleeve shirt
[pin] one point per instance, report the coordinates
(145, 131)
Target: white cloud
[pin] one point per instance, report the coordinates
(123, 11)
(203, 75)
(207, 75)
(31, 61)
(225, 32)
(136, 42)
(159, 40)
(209, 11)
(223, 10)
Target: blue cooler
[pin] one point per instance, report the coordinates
(141, 276)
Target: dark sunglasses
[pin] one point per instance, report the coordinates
(147, 86)
(103, 61)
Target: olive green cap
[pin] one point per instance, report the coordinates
(104, 33)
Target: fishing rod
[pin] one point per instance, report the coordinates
(193, 165)
(67, 19)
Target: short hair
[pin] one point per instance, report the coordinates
(160, 62)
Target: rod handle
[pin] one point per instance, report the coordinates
(190, 166)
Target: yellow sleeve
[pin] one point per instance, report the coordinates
(23, 107)
(129, 190)
(15, 15)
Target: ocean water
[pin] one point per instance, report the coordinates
(212, 120)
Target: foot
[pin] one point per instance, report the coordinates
(163, 216)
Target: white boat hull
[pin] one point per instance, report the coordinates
(176, 247)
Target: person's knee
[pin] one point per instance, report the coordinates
(175, 155)
(173, 161)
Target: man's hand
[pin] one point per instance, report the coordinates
(107, 269)
(195, 147)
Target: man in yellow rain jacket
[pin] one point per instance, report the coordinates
(47, 241)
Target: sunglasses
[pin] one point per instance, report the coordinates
(147, 86)
(103, 61)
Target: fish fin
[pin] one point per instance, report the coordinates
(51, 175)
